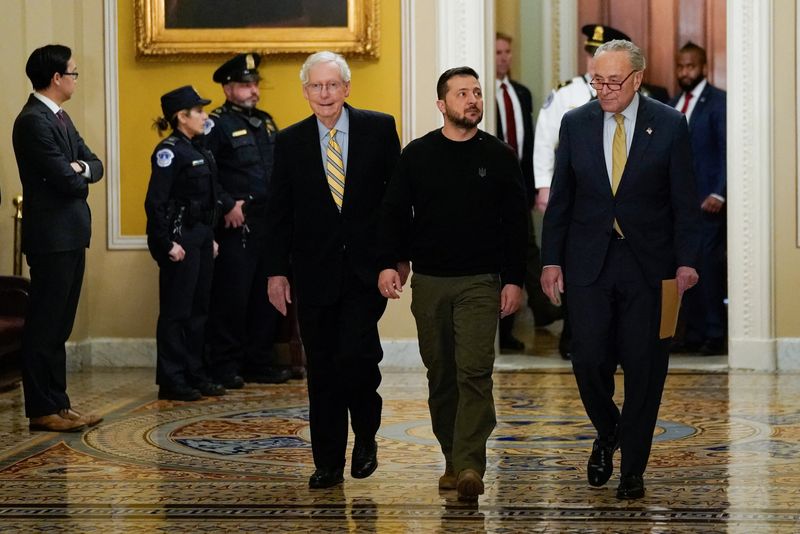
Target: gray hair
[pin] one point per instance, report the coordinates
(620, 45)
(325, 57)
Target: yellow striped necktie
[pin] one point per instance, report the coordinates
(334, 169)
(619, 156)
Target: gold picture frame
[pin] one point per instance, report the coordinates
(359, 36)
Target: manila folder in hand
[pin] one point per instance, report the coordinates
(670, 305)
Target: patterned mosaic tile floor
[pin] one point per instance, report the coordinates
(725, 460)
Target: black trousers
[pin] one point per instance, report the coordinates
(703, 307)
(56, 280)
(538, 302)
(616, 321)
(242, 324)
(184, 293)
(342, 351)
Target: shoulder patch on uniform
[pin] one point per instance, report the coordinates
(171, 140)
(564, 84)
(549, 100)
(208, 125)
(164, 157)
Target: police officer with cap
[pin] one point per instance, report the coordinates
(243, 324)
(181, 207)
(568, 95)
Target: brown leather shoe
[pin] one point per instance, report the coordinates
(89, 419)
(448, 480)
(469, 485)
(55, 423)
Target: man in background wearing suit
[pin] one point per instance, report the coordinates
(704, 106)
(515, 127)
(56, 168)
(330, 175)
(612, 237)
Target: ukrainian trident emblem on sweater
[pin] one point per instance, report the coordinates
(482, 172)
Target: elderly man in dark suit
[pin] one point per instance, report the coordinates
(515, 127)
(56, 168)
(622, 217)
(704, 106)
(330, 175)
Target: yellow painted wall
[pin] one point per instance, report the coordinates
(787, 253)
(376, 84)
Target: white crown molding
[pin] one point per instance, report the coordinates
(115, 241)
(750, 185)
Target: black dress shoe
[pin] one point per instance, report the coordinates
(630, 487)
(270, 375)
(565, 347)
(511, 343)
(210, 389)
(326, 478)
(232, 382)
(365, 459)
(601, 462)
(179, 393)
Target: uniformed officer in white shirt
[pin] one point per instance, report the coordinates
(569, 95)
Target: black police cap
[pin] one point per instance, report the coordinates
(181, 98)
(241, 68)
(597, 34)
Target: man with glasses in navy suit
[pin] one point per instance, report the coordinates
(621, 219)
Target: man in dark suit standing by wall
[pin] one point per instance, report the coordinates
(515, 127)
(56, 168)
(612, 237)
(704, 106)
(330, 175)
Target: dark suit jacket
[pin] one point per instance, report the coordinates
(655, 203)
(707, 131)
(526, 163)
(57, 216)
(305, 232)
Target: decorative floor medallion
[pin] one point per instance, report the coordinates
(725, 459)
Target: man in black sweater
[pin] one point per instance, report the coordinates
(456, 208)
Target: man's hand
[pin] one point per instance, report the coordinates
(686, 277)
(404, 269)
(279, 292)
(542, 196)
(390, 284)
(176, 253)
(216, 248)
(235, 217)
(510, 297)
(712, 204)
(76, 167)
(552, 283)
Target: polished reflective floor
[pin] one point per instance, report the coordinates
(726, 459)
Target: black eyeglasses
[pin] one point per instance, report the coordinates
(74, 74)
(612, 86)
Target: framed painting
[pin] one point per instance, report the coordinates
(181, 29)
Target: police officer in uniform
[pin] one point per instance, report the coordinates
(180, 205)
(242, 325)
(570, 94)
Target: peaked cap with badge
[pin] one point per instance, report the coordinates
(241, 68)
(598, 34)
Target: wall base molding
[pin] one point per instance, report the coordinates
(404, 354)
(789, 353)
(141, 352)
